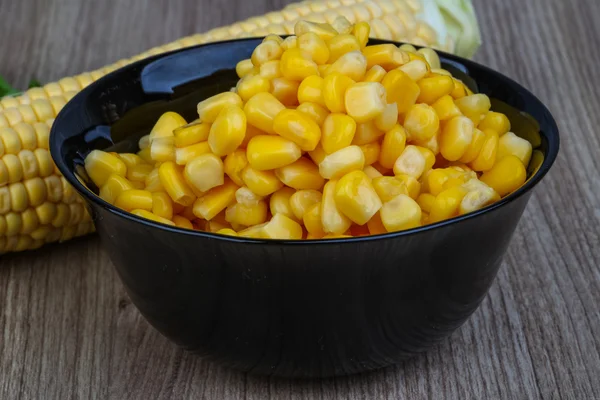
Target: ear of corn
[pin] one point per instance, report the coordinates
(37, 205)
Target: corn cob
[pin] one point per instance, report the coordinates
(37, 205)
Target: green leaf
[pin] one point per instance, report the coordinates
(34, 83)
(6, 89)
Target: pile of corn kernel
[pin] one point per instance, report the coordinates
(323, 137)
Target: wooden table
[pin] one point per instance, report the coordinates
(68, 330)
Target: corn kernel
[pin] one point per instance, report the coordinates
(302, 174)
(289, 42)
(134, 199)
(352, 64)
(152, 181)
(400, 213)
(479, 196)
(392, 146)
(415, 69)
(474, 147)
(365, 101)
(426, 201)
(388, 118)
(247, 215)
(234, 165)
(361, 31)
(166, 124)
(323, 30)
(323, 69)
(311, 90)
(251, 85)
(334, 91)
(162, 149)
(332, 220)
(387, 56)
(434, 88)
(431, 56)
(315, 46)
(315, 111)
(182, 222)
(302, 200)
(244, 67)
(215, 200)
(227, 231)
(411, 162)
(282, 227)
(338, 132)
(312, 221)
(270, 152)
(209, 109)
(412, 185)
(495, 121)
(162, 205)
(172, 180)
(340, 45)
(445, 108)
(296, 64)
(261, 110)
(400, 89)
(204, 172)
(146, 154)
(113, 186)
(341, 162)
(184, 155)
(356, 198)
(421, 122)
(153, 217)
(474, 106)
(266, 51)
(253, 232)
(456, 138)
(375, 226)
(99, 165)
(246, 196)
(506, 176)
(279, 202)
(297, 127)
(318, 154)
(388, 187)
(447, 204)
(375, 74)
(487, 155)
(285, 90)
(511, 144)
(270, 69)
(263, 183)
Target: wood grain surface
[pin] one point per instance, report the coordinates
(68, 330)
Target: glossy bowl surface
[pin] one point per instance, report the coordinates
(287, 308)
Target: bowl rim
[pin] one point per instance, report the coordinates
(90, 196)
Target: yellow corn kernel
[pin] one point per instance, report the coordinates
(18, 197)
(445, 108)
(487, 155)
(234, 164)
(45, 212)
(511, 144)
(440, 71)
(387, 56)
(282, 227)
(460, 89)
(392, 146)
(273, 37)
(366, 133)
(99, 165)
(270, 69)
(352, 64)
(228, 131)
(506, 176)
(317, 155)
(146, 154)
(311, 90)
(246, 196)
(334, 91)
(314, 46)
(270, 152)
(325, 31)
(342, 25)
(323, 69)
(152, 182)
(302, 200)
(400, 213)
(215, 200)
(29, 164)
(421, 122)
(447, 204)
(166, 124)
(388, 187)
(474, 106)
(244, 67)
(340, 45)
(297, 127)
(371, 171)
(261, 110)
(338, 132)
(182, 222)
(227, 231)
(434, 88)
(388, 118)
(289, 42)
(375, 74)
(162, 149)
(426, 201)
(356, 198)
(431, 56)
(204, 172)
(53, 188)
(296, 64)
(138, 173)
(332, 220)
(375, 226)
(27, 135)
(415, 69)
(266, 51)
(209, 109)
(251, 85)
(173, 182)
(365, 101)
(315, 111)
(411, 162)
(263, 183)
(253, 232)
(456, 138)
(162, 205)
(479, 195)
(130, 160)
(412, 185)
(247, 215)
(134, 199)
(435, 181)
(184, 155)
(371, 152)
(36, 191)
(361, 31)
(400, 89)
(285, 90)
(302, 174)
(495, 121)
(341, 162)
(153, 217)
(312, 221)
(474, 147)
(279, 203)
(113, 186)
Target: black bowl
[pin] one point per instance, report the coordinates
(287, 308)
